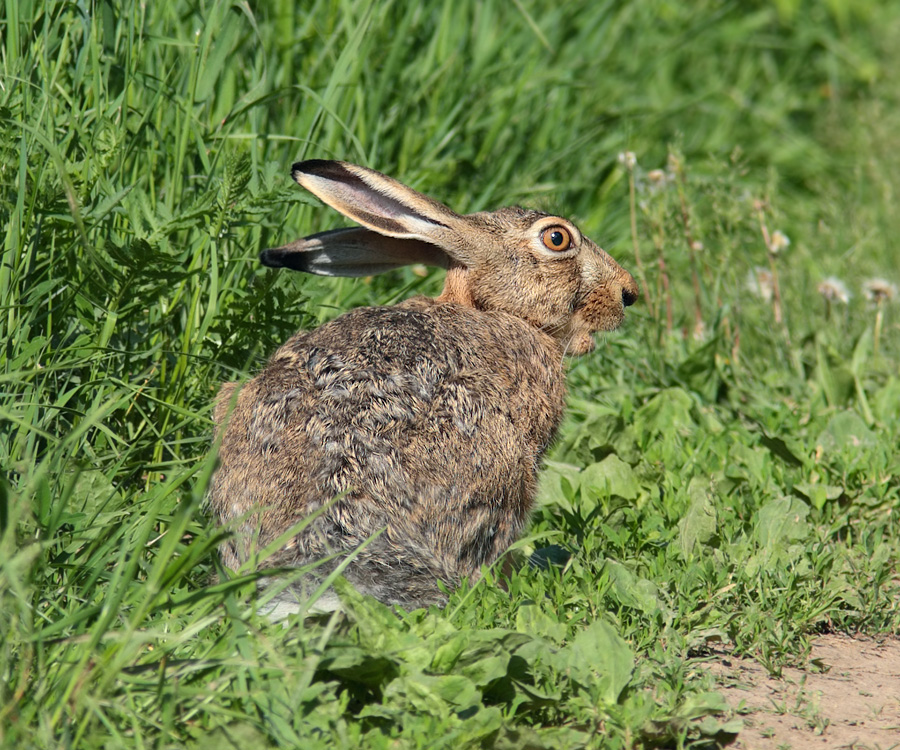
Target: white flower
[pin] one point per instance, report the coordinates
(778, 241)
(834, 290)
(628, 160)
(759, 282)
(654, 181)
(879, 290)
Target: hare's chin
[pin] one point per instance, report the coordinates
(581, 343)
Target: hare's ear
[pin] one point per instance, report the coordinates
(379, 202)
(352, 252)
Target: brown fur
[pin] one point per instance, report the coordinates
(426, 420)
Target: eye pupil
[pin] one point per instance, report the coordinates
(556, 238)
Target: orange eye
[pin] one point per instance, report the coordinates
(556, 238)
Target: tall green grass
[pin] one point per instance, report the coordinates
(726, 484)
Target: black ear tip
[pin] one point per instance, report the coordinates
(319, 167)
(272, 258)
(285, 257)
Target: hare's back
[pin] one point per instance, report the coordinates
(410, 411)
(416, 366)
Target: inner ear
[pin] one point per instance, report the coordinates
(354, 251)
(373, 199)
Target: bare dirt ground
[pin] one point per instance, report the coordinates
(848, 697)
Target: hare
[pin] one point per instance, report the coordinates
(425, 422)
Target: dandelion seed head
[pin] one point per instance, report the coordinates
(879, 290)
(628, 160)
(778, 242)
(656, 181)
(759, 282)
(834, 290)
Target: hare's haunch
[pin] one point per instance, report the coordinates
(425, 421)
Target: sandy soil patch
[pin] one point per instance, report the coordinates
(848, 697)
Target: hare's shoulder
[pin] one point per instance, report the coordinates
(421, 337)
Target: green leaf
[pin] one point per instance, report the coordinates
(846, 433)
(698, 705)
(432, 694)
(358, 666)
(832, 374)
(781, 522)
(93, 491)
(886, 401)
(600, 659)
(631, 590)
(233, 737)
(862, 354)
(700, 522)
(4, 505)
(447, 654)
(552, 738)
(819, 494)
(481, 655)
(788, 449)
(611, 476)
(558, 484)
(532, 620)
(710, 726)
(667, 412)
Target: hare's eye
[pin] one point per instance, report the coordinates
(556, 238)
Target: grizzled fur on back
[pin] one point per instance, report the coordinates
(426, 420)
(411, 436)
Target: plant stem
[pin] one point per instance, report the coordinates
(632, 206)
(692, 251)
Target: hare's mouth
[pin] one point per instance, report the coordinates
(590, 319)
(600, 312)
(578, 338)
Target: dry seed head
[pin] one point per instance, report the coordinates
(778, 242)
(879, 290)
(759, 282)
(628, 160)
(834, 290)
(654, 182)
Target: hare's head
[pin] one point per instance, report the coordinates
(532, 265)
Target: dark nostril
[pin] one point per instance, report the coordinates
(628, 297)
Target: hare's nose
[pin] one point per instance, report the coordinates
(629, 290)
